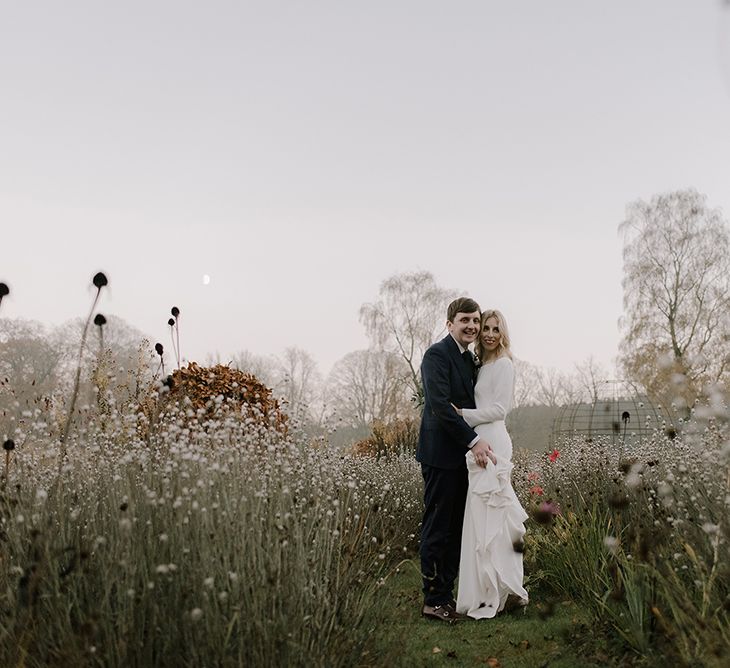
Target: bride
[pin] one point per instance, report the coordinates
(490, 572)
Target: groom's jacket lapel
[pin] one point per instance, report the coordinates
(464, 373)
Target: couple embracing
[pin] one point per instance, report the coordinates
(473, 523)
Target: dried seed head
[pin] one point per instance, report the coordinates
(4, 290)
(9, 445)
(100, 280)
(99, 320)
(159, 349)
(546, 512)
(625, 465)
(175, 311)
(169, 382)
(171, 322)
(618, 501)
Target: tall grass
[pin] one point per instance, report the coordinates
(642, 541)
(206, 537)
(226, 544)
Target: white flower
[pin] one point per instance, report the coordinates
(208, 582)
(611, 544)
(664, 489)
(196, 614)
(633, 480)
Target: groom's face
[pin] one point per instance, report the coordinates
(465, 327)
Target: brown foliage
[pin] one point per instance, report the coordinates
(390, 438)
(203, 385)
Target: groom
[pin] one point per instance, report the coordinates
(447, 372)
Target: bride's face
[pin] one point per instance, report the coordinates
(491, 336)
(465, 327)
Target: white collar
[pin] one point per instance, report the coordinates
(461, 348)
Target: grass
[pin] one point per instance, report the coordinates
(223, 542)
(221, 546)
(551, 631)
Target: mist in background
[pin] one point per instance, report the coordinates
(298, 154)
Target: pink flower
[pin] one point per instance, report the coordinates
(552, 456)
(550, 507)
(534, 476)
(546, 512)
(536, 489)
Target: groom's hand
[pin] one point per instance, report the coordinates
(482, 452)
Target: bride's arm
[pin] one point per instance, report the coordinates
(497, 409)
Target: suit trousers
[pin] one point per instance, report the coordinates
(443, 518)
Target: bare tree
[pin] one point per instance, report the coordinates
(30, 369)
(590, 375)
(121, 342)
(368, 385)
(551, 387)
(28, 357)
(264, 367)
(407, 318)
(298, 382)
(676, 295)
(525, 383)
(554, 388)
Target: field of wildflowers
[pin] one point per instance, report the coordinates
(640, 537)
(223, 543)
(166, 532)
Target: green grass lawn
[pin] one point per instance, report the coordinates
(549, 632)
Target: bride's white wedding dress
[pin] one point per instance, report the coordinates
(490, 568)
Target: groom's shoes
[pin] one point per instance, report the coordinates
(443, 613)
(452, 608)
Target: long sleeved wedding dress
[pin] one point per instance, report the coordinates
(491, 568)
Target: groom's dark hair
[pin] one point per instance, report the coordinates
(461, 305)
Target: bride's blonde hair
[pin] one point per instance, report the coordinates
(504, 341)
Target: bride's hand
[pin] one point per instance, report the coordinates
(482, 453)
(458, 410)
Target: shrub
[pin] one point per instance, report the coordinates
(389, 439)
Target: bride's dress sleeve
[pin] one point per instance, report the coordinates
(500, 403)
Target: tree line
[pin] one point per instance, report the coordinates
(675, 337)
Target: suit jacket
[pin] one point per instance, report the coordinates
(444, 435)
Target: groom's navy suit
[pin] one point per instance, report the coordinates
(448, 378)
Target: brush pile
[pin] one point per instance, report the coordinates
(212, 388)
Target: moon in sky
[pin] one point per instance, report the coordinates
(206, 279)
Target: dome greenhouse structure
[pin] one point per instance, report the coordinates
(620, 413)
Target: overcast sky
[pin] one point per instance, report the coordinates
(299, 153)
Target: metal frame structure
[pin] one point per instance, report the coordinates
(621, 413)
